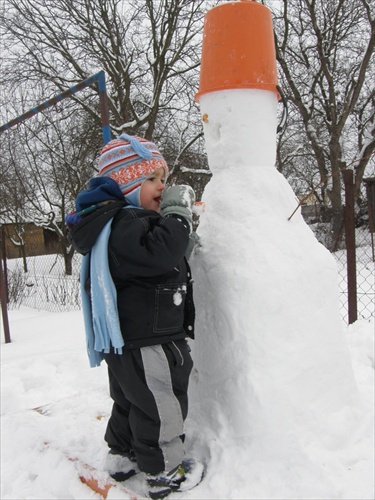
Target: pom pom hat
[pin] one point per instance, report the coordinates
(129, 160)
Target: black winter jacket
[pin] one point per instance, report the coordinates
(148, 267)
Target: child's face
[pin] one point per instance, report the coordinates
(151, 190)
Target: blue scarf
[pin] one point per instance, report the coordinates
(100, 312)
(99, 306)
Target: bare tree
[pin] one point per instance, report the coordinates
(325, 50)
(50, 165)
(148, 49)
(13, 206)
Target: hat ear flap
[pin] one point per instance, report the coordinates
(133, 198)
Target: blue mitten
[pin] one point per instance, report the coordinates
(178, 200)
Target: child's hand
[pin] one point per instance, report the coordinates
(178, 200)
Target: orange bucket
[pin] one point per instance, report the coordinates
(238, 50)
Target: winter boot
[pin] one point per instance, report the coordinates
(182, 478)
(121, 465)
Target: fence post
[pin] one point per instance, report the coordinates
(349, 222)
(3, 288)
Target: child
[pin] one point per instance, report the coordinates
(138, 308)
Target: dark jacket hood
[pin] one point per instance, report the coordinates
(84, 234)
(95, 207)
(100, 189)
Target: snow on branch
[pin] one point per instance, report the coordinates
(205, 171)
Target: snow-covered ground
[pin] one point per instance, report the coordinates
(46, 367)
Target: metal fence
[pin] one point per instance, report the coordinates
(46, 287)
(365, 275)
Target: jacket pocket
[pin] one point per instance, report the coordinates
(169, 307)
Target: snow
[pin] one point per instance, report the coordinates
(282, 393)
(46, 366)
(177, 296)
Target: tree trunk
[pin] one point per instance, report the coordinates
(68, 258)
(336, 235)
(24, 260)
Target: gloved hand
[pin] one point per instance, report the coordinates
(178, 200)
(194, 242)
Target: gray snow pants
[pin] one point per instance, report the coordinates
(149, 388)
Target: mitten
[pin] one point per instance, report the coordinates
(194, 241)
(178, 200)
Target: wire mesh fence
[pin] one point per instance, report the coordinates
(45, 286)
(365, 273)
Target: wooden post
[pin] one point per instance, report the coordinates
(350, 245)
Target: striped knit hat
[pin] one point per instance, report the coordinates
(129, 160)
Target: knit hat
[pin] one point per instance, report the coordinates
(129, 160)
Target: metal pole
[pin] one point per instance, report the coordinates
(104, 111)
(99, 77)
(350, 245)
(3, 255)
(3, 291)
